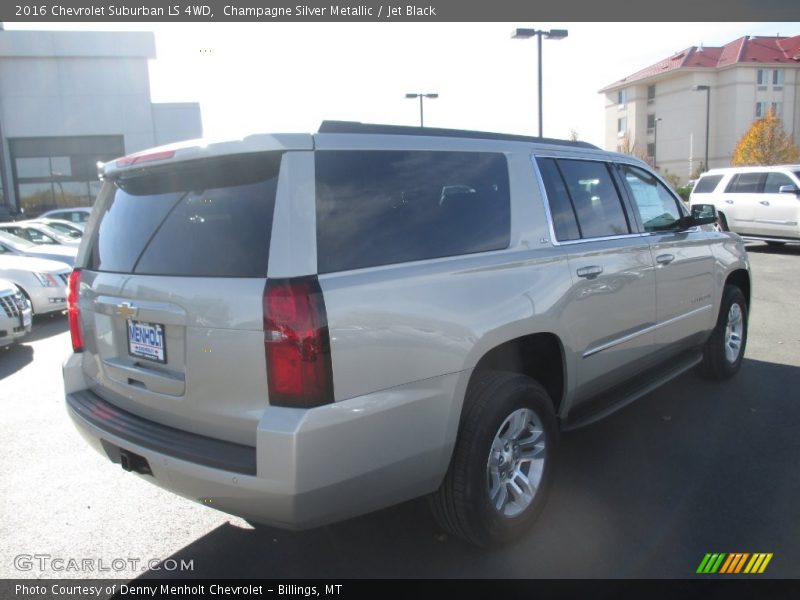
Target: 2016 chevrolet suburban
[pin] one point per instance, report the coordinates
(298, 329)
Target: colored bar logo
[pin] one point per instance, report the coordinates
(737, 562)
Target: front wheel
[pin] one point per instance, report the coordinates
(503, 462)
(724, 350)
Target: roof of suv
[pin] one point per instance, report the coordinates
(204, 148)
(723, 170)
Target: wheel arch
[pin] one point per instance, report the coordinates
(540, 356)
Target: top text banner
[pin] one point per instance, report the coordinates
(391, 10)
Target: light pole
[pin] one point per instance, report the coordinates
(707, 90)
(655, 141)
(421, 96)
(553, 34)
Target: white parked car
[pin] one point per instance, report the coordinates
(39, 233)
(43, 282)
(78, 214)
(758, 203)
(71, 230)
(11, 244)
(15, 313)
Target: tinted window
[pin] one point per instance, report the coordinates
(746, 183)
(385, 207)
(208, 218)
(774, 182)
(565, 222)
(707, 184)
(657, 207)
(594, 197)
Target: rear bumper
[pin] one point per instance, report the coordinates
(309, 467)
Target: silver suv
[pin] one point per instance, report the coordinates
(298, 329)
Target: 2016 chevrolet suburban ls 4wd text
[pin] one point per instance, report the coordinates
(298, 329)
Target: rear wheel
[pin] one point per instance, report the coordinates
(724, 350)
(503, 462)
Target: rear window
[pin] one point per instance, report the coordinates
(205, 218)
(385, 207)
(707, 184)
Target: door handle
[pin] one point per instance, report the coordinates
(764, 202)
(728, 201)
(665, 259)
(590, 272)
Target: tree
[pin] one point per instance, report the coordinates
(573, 135)
(627, 146)
(765, 143)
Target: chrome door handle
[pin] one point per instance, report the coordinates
(665, 259)
(590, 272)
(764, 202)
(728, 201)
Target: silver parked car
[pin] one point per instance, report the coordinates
(15, 314)
(298, 329)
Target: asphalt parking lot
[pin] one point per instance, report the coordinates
(694, 467)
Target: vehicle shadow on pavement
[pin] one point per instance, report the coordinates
(13, 358)
(45, 326)
(790, 249)
(694, 467)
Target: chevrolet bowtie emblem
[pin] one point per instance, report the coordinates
(126, 311)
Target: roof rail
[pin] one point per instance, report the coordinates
(370, 128)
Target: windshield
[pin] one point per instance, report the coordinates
(14, 242)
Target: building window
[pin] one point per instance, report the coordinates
(651, 150)
(777, 108)
(761, 110)
(622, 97)
(59, 172)
(762, 78)
(777, 79)
(651, 123)
(622, 126)
(651, 93)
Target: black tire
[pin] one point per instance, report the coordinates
(462, 505)
(717, 362)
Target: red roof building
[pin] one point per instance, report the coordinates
(659, 113)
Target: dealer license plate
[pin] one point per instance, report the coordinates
(146, 340)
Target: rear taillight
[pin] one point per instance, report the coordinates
(297, 344)
(74, 310)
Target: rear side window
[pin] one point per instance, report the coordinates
(774, 181)
(386, 207)
(707, 184)
(588, 189)
(746, 183)
(206, 218)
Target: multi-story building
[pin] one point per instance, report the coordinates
(662, 112)
(71, 99)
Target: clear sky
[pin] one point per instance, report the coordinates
(280, 77)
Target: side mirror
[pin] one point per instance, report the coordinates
(702, 214)
(789, 189)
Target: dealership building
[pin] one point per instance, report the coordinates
(71, 99)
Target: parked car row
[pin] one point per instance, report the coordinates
(33, 280)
